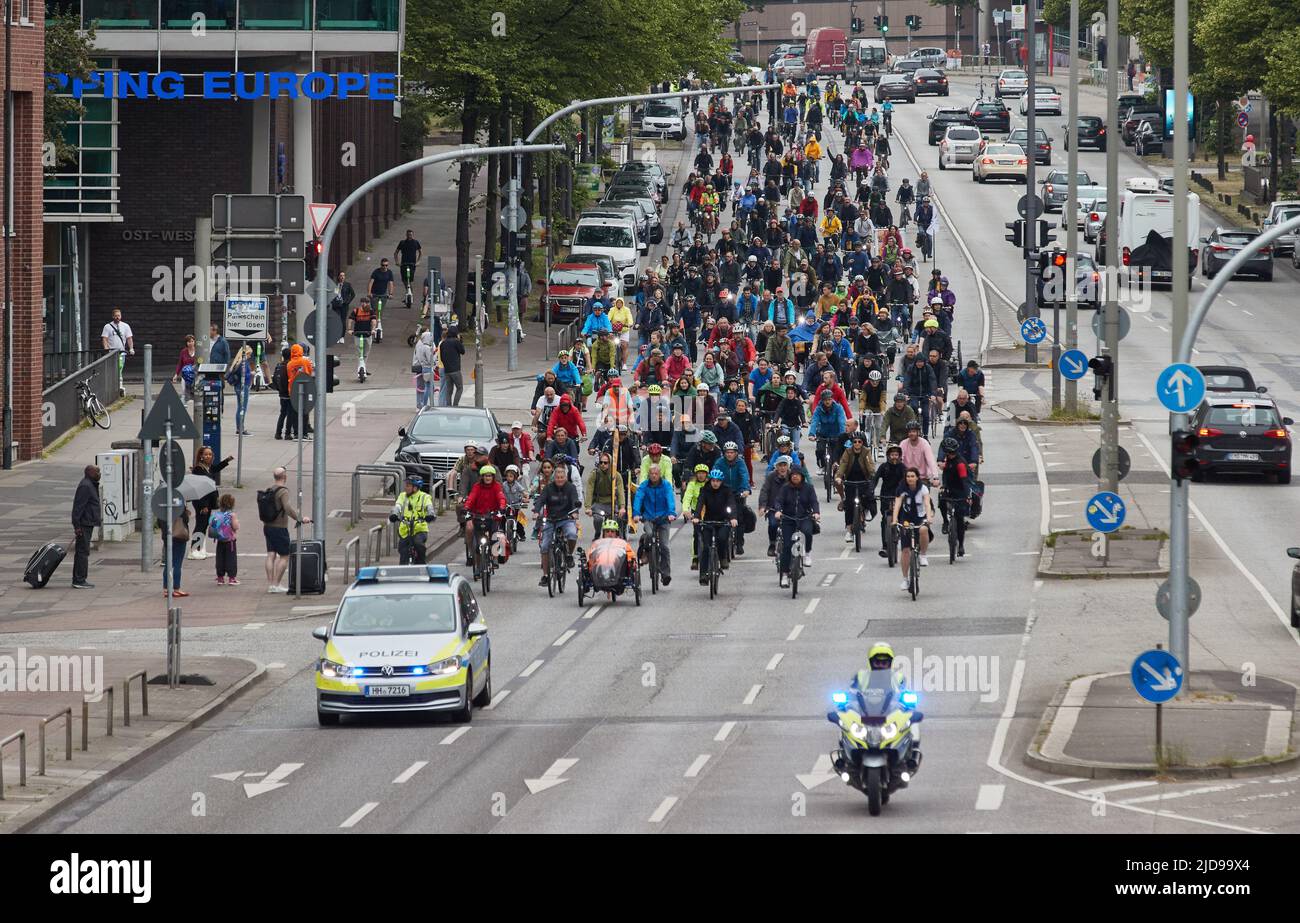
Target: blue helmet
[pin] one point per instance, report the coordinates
(782, 460)
(717, 474)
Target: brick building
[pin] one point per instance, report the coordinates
(22, 283)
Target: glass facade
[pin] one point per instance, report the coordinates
(294, 15)
(89, 184)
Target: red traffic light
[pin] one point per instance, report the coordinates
(1058, 259)
(1183, 463)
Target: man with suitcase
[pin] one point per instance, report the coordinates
(86, 515)
(275, 511)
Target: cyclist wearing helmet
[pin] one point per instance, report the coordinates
(890, 478)
(656, 457)
(690, 501)
(956, 481)
(797, 508)
(655, 505)
(413, 512)
(736, 477)
(486, 498)
(715, 514)
(778, 475)
(871, 394)
(516, 492)
(853, 477)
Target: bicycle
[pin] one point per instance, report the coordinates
(92, 408)
(870, 422)
(935, 418)
(796, 571)
(888, 536)
(712, 568)
(827, 464)
(914, 559)
(955, 525)
(650, 549)
(559, 555)
(858, 518)
(485, 562)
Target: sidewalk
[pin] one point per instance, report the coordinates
(361, 428)
(170, 713)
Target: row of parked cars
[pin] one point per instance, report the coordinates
(608, 241)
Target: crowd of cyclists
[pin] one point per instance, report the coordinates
(787, 350)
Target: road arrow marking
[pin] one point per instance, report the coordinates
(551, 777)
(822, 771)
(229, 776)
(272, 781)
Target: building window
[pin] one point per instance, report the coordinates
(88, 186)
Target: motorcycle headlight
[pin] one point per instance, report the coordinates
(445, 667)
(889, 730)
(331, 670)
(857, 730)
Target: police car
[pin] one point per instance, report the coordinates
(405, 639)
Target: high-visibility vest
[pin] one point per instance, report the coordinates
(412, 510)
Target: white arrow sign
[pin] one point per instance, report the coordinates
(1076, 367)
(272, 781)
(822, 771)
(1165, 681)
(1177, 382)
(551, 777)
(1110, 516)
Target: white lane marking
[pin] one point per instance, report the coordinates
(1247, 313)
(859, 570)
(1066, 717)
(532, 668)
(754, 690)
(271, 780)
(990, 797)
(1163, 328)
(724, 732)
(1282, 617)
(320, 609)
(1068, 780)
(845, 554)
(253, 626)
(410, 771)
(454, 735)
(829, 579)
(1045, 507)
(360, 813)
(1166, 796)
(1022, 553)
(662, 811)
(823, 771)
(794, 633)
(592, 612)
(1117, 787)
(812, 605)
(694, 769)
(552, 776)
(560, 641)
(1231, 302)
(496, 700)
(774, 662)
(275, 665)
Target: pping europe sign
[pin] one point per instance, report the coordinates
(110, 84)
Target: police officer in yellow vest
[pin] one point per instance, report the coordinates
(413, 511)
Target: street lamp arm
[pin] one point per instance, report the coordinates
(579, 104)
(1222, 278)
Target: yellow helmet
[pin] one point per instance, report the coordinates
(609, 525)
(880, 649)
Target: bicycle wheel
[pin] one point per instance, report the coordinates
(959, 526)
(891, 544)
(914, 570)
(858, 525)
(97, 412)
(827, 478)
(952, 534)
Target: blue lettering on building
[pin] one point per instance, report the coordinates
(227, 85)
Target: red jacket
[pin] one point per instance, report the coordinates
(676, 366)
(485, 498)
(838, 394)
(571, 420)
(523, 444)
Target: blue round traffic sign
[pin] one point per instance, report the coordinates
(1157, 675)
(1105, 511)
(1074, 364)
(1180, 387)
(1033, 330)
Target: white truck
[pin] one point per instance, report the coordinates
(1146, 230)
(868, 59)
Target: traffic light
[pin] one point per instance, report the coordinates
(1045, 235)
(1016, 233)
(875, 20)
(312, 257)
(1103, 368)
(1182, 455)
(856, 25)
(884, 24)
(914, 22)
(331, 379)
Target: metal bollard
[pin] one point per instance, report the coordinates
(352, 554)
(67, 727)
(22, 759)
(126, 696)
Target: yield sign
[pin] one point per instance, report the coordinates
(320, 215)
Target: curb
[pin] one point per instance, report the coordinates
(1100, 769)
(78, 789)
(1047, 557)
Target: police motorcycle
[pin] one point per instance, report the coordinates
(879, 751)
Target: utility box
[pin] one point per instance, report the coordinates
(211, 382)
(119, 493)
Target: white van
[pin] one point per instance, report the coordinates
(663, 118)
(1146, 230)
(868, 59)
(616, 238)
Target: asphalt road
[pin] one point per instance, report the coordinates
(687, 715)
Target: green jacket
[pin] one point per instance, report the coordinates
(895, 423)
(412, 511)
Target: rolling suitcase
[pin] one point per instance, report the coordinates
(313, 567)
(43, 564)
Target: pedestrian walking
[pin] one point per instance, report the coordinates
(422, 369)
(86, 515)
(287, 424)
(117, 335)
(298, 363)
(275, 510)
(187, 366)
(223, 528)
(239, 376)
(1131, 71)
(450, 353)
(175, 539)
(205, 466)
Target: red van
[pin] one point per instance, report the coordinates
(826, 51)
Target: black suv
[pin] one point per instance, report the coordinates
(990, 115)
(1136, 115)
(1092, 133)
(942, 119)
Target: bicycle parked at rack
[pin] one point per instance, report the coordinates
(92, 408)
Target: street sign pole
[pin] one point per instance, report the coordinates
(146, 451)
(512, 256)
(1072, 210)
(478, 330)
(1178, 557)
(1031, 224)
(1110, 399)
(1056, 354)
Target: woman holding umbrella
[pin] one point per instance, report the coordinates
(204, 467)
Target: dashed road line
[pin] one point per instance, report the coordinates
(754, 690)
(662, 811)
(774, 662)
(359, 814)
(812, 604)
(724, 732)
(694, 769)
(794, 633)
(410, 771)
(496, 700)
(531, 668)
(454, 736)
(562, 639)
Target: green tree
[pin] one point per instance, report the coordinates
(68, 50)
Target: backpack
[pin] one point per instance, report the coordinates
(221, 526)
(268, 507)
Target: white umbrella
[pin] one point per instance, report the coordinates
(195, 486)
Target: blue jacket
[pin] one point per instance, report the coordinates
(597, 323)
(804, 333)
(778, 313)
(827, 424)
(690, 317)
(747, 306)
(968, 445)
(654, 501)
(220, 351)
(567, 373)
(737, 475)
